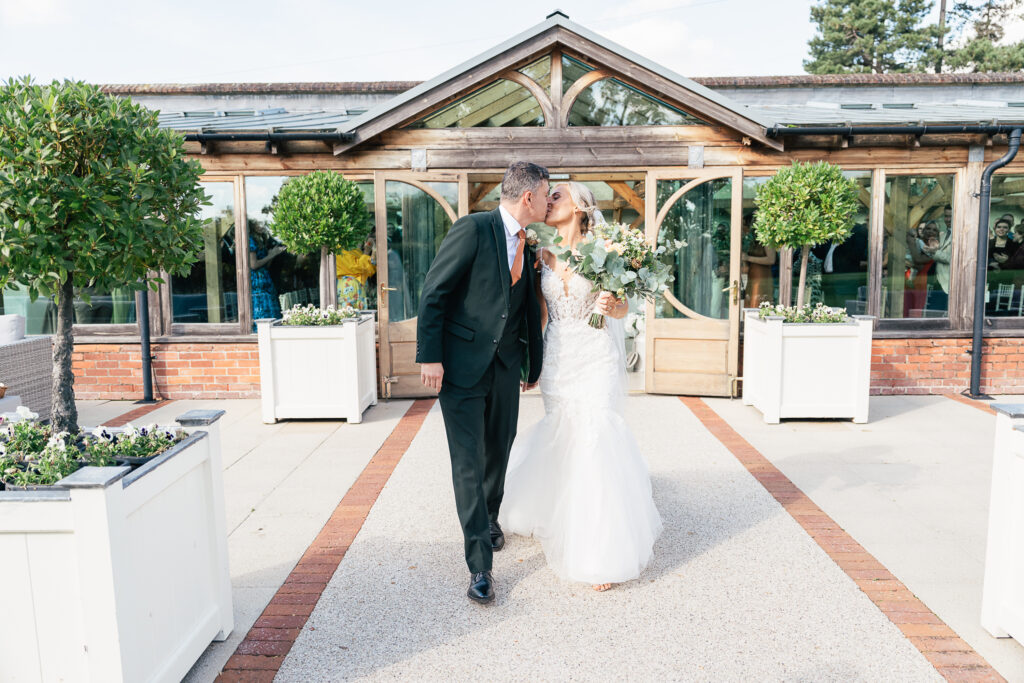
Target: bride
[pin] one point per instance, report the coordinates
(576, 480)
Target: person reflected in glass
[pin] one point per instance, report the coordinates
(921, 266)
(1018, 232)
(1001, 246)
(756, 261)
(941, 253)
(263, 249)
(398, 296)
(843, 268)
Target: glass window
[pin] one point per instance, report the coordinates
(701, 218)
(278, 279)
(918, 246)
(209, 294)
(610, 102)
(106, 307)
(502, 103)
(416, 225)
(357, 268)
(1005, 286)
(540, 71)
(572, 71)
(759, 265)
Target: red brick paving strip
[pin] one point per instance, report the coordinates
(974, 403)
(141, 411)
(953, 658)
(259, 656)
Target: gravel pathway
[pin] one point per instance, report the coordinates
(737, 590)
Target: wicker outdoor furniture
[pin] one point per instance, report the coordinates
(26, 367)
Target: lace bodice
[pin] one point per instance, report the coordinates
(575, 304)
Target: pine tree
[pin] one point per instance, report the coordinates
(981, 52)
(871, 36)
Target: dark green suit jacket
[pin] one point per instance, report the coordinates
(464, 305)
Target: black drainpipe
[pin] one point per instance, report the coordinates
(981, 269)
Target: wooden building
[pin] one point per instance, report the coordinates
(679, 157)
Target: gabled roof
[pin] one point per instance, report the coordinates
(555, 30)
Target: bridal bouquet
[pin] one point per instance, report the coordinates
(618, 259)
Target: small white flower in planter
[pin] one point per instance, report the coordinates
(102, 433)
(25, 413)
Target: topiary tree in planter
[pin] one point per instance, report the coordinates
(321, 212)
(92, 195)
(802, 206)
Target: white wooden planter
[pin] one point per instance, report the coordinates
(1002, 597)
(317, 371)
(118, 576)
(807, 369)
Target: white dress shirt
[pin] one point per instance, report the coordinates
(512, 229)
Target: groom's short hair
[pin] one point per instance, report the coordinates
(520, 177)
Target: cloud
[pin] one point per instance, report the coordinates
(19, 13)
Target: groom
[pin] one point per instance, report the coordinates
(477, 336)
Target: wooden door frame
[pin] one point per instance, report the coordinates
(696, 177)
(417, 179)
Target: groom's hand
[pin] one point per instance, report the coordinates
(431, 375)
(526, 387)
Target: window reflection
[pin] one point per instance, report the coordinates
(759, 265)
(700, 218)
(357, 268)
(209, 293)
(918, 246)
(106, 307)
(502, 103)
(611, 102)
(842, 267)
(278, 279)
(416, 225)
(1005, 286)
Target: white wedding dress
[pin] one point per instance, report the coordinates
(576, 480)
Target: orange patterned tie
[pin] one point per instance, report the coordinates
(517, 263)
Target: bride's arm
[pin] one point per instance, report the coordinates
(611, 306)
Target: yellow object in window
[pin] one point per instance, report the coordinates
(354, 263)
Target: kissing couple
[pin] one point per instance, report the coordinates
(497, 316)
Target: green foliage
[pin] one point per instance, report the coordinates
(870, 36)
(319, 210)
(92, 190)
(982, 55)
(805, 204)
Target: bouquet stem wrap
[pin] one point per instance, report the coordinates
(597, 319)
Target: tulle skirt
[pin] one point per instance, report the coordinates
(577, 482)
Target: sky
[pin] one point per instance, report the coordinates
(193, 41)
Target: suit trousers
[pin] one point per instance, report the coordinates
(480, 422)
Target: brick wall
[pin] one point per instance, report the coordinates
(190, 370)
(231, 370)
(943, 366)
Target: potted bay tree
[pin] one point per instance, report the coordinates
(806, 361)
(319, 362)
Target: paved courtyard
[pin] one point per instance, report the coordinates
(742, 586)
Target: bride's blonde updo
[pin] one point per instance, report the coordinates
(584, 200)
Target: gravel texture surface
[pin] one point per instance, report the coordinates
(737, 590)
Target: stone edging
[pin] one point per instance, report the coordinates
(951, 656)
(260, 654)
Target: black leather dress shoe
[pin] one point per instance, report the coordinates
(480, 588)
(497, 537)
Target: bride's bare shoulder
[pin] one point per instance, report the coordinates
(547, 257)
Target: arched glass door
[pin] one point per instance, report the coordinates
(413, 212)
(693, 332)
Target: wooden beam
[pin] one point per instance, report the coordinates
(556, 89)
(669, 89)
(627, 193)
(520, 54)
(479, 192)
(535, 89)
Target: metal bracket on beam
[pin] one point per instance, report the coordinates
(273, 147)
(205, 147)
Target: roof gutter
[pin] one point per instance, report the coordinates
(268, 137)
(778, 131)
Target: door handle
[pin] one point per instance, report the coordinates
(735, 289)
(385, 288)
